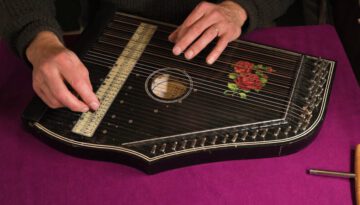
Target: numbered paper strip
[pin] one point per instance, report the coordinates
(89, 121)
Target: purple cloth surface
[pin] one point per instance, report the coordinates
(33, 173)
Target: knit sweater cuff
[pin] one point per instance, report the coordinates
(31, 30)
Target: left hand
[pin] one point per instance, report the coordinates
(206, 22)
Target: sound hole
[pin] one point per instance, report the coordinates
(168, 85)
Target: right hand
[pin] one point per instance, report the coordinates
(53, 65)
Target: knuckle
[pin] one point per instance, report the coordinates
(219, 49)
(46, 69)
(48, 74)
(237, 33)
(45, 64)
(194, 30)
(213, 32)
(216, 14)
(37, 79)
(200, 44)
(36, 88)
(70, 54)
(203, 5)
(216, 51)
(61, 96)
(59, 56)
(85, 72)
(54, 105)
(76, 82)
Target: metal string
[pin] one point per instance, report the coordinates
(238, 100)
(151, 71)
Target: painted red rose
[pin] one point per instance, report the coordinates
(248, 81)
(243, 67)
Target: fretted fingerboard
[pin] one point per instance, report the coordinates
(89, 121)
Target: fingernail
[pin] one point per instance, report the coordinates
(189, 54)
(211, 60)
(94, 105)
(177, 50)
(84, 109)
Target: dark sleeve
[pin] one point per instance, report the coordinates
(24, 19)
(262, 13)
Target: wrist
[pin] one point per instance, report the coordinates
(240, 12)
(43, 40)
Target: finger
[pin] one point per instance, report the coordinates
(209, 35)
(194, 16)
(173, 35)
(47, 97)
(219, 48)
(78, 78)
(64, 96)
(184, 40)
(197, 13)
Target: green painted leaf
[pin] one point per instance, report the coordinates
(232, 76)
(232, 86)
(242, 95)
(263, 80)
(260, 74)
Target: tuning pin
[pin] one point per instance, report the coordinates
(234, 138)
(213, 141)
(153, 149)
(174, 146)
(244, 135)
(286, 132)
(264, 132)
(254, 134)
(193, 143)
(277, 132)
(183, 144)
(203, 140)
(163, 147)
(225, 138)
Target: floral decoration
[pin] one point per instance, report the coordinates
(247, 77)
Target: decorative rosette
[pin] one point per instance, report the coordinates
(247, 77)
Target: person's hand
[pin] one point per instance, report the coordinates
(53, 65)
(206, 22)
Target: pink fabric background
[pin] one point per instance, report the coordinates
(33, 173)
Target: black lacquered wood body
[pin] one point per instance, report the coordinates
(255, 101)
